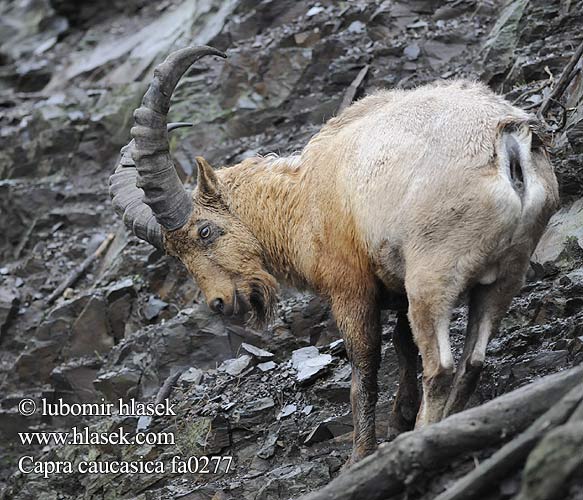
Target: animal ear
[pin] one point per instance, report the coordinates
(208, 184)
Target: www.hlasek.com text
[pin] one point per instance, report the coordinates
(85, 436)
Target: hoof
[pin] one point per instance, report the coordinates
(356, 456)
(398, 424)
(349, 463)
(393, 432)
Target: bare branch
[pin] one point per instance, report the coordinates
(79, 270)
(563, 81)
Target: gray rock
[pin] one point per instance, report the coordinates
(256, 352)
(329, 428)
(313, 368)
(417, 25)
(90, 332)
(11, 420)
(46, 347)
(119, 313)
(219, 437)
(338, 348)
(576, 346)
(236, 366)
(29, 27)
(268, 366)
(307, 38)
(73, 380)
(78, 216)
(412, 52)
(439, 52)
(565, 227)
(309, 363)
(314, 11)
(543, 361)
(318, 434)
(267, 449)
(191, 376)
(136, 51)
(499, 47)
(121, 383)
(289, 481)
(335, 392)
(255, 412)
(285, 70)
(356, 27)
(153, 308)
(260, 404)
(303, 354)
(9, 302)
(144, 422)
(194, 338)
(286, 411)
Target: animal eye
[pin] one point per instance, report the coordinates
(204, 232)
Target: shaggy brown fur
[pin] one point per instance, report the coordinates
(409, 192)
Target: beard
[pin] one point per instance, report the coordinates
(260, 296)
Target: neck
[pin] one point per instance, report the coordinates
(266, 195)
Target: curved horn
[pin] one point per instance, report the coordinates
(163, 190)
(127, 198)
(145, 187)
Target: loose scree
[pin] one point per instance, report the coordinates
(432, 194)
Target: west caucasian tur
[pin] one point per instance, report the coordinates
(429, 194)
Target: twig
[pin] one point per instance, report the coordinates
(534, 90)
(25, 238)
(563, 119)
(563, 82)
(353, 89)
(166, 389)
(79, 270)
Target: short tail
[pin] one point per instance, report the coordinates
(517, 146)
(515, 149)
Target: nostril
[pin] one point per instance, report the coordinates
(218, 305)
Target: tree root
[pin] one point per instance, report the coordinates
(389, 470)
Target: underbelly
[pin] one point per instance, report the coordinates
(394, 301)
(393, 295)
(392, 283)
(389, 267)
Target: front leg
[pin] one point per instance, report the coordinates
(406, 403)
(358, 319)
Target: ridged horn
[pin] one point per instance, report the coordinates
(145, 187)
(163, 190)
(127, 198)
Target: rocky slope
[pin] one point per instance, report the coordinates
(133, 325)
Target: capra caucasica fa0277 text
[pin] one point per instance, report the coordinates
(431, 194)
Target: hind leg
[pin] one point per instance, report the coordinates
(432, 294)
(487, 306)
(406, 403)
